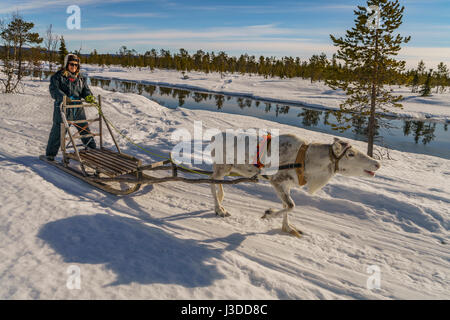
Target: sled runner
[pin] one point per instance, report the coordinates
(112, 171)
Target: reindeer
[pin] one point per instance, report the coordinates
(300, 164)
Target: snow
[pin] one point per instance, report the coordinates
(296, 90)
(165, 242)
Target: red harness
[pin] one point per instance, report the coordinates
(258, 163)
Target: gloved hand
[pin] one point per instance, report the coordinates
(90, 99)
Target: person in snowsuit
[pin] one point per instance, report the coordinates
(68, 82)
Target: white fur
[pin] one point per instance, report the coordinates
(319, 169)
(66, 59)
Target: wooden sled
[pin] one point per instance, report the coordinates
(112, 171)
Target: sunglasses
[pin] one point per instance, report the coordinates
(73, 64)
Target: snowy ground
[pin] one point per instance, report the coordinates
(297, 90)
(165, 242)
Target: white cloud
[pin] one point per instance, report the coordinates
(110, 28)
(138, 15)
(430, 55)
(211, 33)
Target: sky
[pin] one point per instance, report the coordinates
(270, 28)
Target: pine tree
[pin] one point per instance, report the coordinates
(442, 77)
(415, 82)
(426, 88)
(421, 68)
(93, 57)
(62, 51)
(14, 36)
(313, 67)
(367, 53)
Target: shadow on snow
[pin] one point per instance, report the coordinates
(134, 251)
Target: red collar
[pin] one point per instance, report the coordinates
(258, 163)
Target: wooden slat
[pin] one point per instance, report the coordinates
(154, 165)
(114, 157)
(107, 124)
(63, 117)
(78, 136)
(103, 164)
(99, 185)
(93, 165)
(122, 155)
(108, 162)
(81, 121)
(113, 160)
(99, 164)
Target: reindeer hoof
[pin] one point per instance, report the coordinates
(296, 233)
(267, 213)
(221, 212)
(292, 231)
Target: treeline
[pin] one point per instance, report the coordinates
(316, 68)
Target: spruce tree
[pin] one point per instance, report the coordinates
(368, 54)
(62, 51)
(442, 77)
(425, 91)
(415, 82)
(421, 68)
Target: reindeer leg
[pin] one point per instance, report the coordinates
(219, 173)
(220, 194)
(283, 192)
(288, 228)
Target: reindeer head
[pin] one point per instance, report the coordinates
(350, 161)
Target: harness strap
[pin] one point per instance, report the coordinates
(335, 158)
(300, 160)
(290, 166)
(258, 163)
(299, 164)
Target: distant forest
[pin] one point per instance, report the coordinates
(316, 68)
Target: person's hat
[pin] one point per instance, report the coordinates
(71, 57)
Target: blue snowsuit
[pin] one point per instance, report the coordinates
(74, 87)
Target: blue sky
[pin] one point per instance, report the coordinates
(277, 27)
